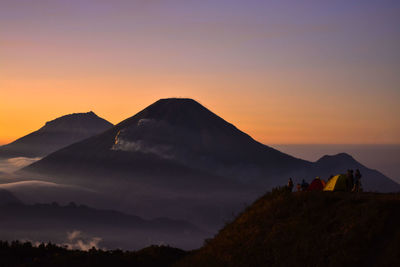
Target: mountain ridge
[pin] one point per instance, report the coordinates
(55, 134)
(113, 229)
(185, 132)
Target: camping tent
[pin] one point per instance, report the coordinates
(316, 185)
(337, 183)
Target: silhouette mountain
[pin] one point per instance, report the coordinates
(181, 132)
(56, 134)
(184, 131)
(181, 137)
(372, 180)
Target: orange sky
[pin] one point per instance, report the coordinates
(329, 76)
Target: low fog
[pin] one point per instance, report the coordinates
(13, 164)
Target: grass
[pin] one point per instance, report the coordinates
(308, 229)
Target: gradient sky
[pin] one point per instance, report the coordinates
(282, 71)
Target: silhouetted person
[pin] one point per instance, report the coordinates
(350, 180)
(357, 181)
(290, 184)
(304, 185)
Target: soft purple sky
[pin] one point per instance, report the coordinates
(282, 71)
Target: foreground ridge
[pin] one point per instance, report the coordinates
(311, 228)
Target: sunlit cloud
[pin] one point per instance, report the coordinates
(13, 164)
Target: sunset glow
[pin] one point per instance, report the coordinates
(275, 70)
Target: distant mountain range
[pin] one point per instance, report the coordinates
(56, 134)
(179, 143)
(81, 224)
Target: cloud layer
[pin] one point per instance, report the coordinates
(13, 164)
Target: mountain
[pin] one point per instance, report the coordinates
(7, 197)
(176, 158)
(176, 155)
(310, 229)
(372, 180)
(56, 134)
(178, 132)
(74, 224)
(182, 136)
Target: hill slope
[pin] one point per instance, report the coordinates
(308, 229)
(56, 134)
(7, 197)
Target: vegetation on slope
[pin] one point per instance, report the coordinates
(21, 254)
(308, 229)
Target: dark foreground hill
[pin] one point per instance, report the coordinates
(56, 134)
(308, 229)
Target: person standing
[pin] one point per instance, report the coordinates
(304, 185)
(290, 184)
(357, 181)
(350, 180)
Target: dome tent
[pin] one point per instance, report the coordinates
(337, 183)
(316, 185)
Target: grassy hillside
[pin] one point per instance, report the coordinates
(308, 229)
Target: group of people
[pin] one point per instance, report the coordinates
(353, 182)
(299, 187)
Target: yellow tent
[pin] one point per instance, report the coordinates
(337, 183)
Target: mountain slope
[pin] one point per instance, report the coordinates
(56, 134)
(7, 197)
(187, 132)
(310, 229)
(182, 132)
